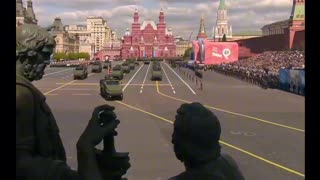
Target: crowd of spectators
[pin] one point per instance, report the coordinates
(263, 69)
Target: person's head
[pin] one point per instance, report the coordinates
(196, 134)
(34, 47)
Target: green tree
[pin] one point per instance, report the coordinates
(224, 38)
(84, 55)
(71, 56)
(187, 53)
(59, 55)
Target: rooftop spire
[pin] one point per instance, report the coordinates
(30, 12)
(136, 16)
(222, 5)
(57, 24)
(202, 30)
(19, 8)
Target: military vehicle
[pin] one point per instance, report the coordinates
(80, 72)
(156, 63)
(134, 61)
(125, 67)
(156, 73)
(146, 61)
(96, 67)
(110, 88)
(117, 72)
(106, 64)
(132, 66)
(173, 65)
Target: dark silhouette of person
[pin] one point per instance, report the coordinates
(40, 154)
(196, 143)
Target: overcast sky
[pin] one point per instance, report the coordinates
(182, 16)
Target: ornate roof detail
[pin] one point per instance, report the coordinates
(145, 23)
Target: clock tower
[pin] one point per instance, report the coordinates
(297, 18)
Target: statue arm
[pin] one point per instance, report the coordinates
(87, 163)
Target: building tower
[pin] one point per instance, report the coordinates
(19, 13)
(222, 22)
(19, 9)
(135, 25)
(57, 25)
(297, 19)
(30, 13)
(161, 26)
(25, 15)
(202, 30)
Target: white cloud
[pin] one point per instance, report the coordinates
(183, 16)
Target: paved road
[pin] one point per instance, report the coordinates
(262, 129)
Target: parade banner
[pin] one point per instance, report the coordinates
(221, 52)
(208, 52)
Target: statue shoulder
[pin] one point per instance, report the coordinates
(24, 98)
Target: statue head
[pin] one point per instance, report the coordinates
(196, 135)
(34, 48)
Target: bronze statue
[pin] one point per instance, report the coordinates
(39, 150)
(196, 143)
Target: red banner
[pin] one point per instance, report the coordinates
(209, 52)
(221, 52)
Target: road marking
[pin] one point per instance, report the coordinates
(83, 84)
(60, 87)
(97, 84)
(66, 84)
(51, 94)
(234, 113)
(144, 79)
(71, 89)
(131, 79)
(83, 94)
(222, 142)
(57, 72)
(174, 92)
(181, 79)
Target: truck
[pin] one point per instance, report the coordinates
(117, 72)
(80, 72)
(96, 67)
(126, 67)
(156, 73)
(111, 88)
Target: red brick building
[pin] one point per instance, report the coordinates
(148, 39)
(279, 36)
(110, 51)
